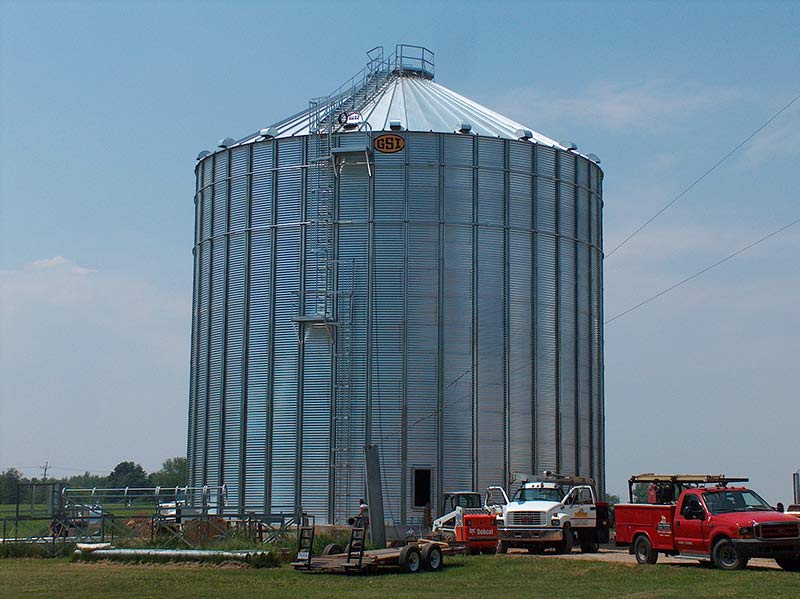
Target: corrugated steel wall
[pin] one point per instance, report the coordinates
(472, 268)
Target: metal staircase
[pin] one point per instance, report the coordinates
(327, 294)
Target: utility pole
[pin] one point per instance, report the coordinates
(44, 468)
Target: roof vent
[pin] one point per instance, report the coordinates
(268, 133)
(524, 134)
(570, 145)
(226, 143)
(395, 125)
(593, 158)
(465, 128)
(203, 154)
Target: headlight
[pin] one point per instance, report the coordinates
(746, 531)
(554, 522)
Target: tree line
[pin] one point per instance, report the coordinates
(125, 474)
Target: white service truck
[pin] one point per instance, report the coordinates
(551, 511)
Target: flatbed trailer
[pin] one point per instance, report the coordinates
(421, 555)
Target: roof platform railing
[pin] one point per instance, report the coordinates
(414, 59)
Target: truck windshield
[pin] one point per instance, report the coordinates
(721, 502)
(538, 495)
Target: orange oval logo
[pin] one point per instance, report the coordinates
(389, 143)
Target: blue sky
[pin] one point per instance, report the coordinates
(104, 106)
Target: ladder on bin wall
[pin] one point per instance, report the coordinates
(318, 296)
(326, 298)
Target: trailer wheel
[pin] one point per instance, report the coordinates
(565, 545)
(643, 550)
(332, 549)
(727, 556)
(432, 558)
(790, 564)
(410, 560)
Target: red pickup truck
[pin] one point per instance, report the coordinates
(701, 517)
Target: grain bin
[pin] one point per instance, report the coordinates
(397, 265)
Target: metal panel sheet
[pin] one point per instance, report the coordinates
(390, 191)
(457, 364)
(285, 372)
(546, 352)
(316, 419)
(423, 148)
(490, 197)
(520, 344)
(490, 312)
(423, 193)
(216, 364)
(234, 369)
(545, 205)
(388, 360)
(458, 195)
(584, 330)
(567, 348)
(260, 326)
(422, 321)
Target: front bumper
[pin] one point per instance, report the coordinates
(523, 534)
(771, 548)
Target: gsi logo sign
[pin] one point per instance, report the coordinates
(389, 143)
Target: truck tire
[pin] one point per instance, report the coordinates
(432, 558)
(410, 560)
(587, 542)
(727, 557)
(589, 547)
(790, 564)
(332, 549)
(502, 547)
(565, 546)
(643, 550)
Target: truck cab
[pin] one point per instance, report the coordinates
(552, 511)
(707, 520)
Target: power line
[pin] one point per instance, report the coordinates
(701, 177)
(703, 271)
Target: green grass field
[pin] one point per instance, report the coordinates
(480, 577)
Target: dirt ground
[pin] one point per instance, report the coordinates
(609, 553)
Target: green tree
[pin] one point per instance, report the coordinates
(640, 492)
(128, 474)
(86, 481)
(612, 499)
(172, 473)
(8, 485)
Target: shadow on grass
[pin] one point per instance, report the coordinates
(379, 572)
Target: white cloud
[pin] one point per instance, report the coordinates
(59, 262)
(658, 105)
(779, 138)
